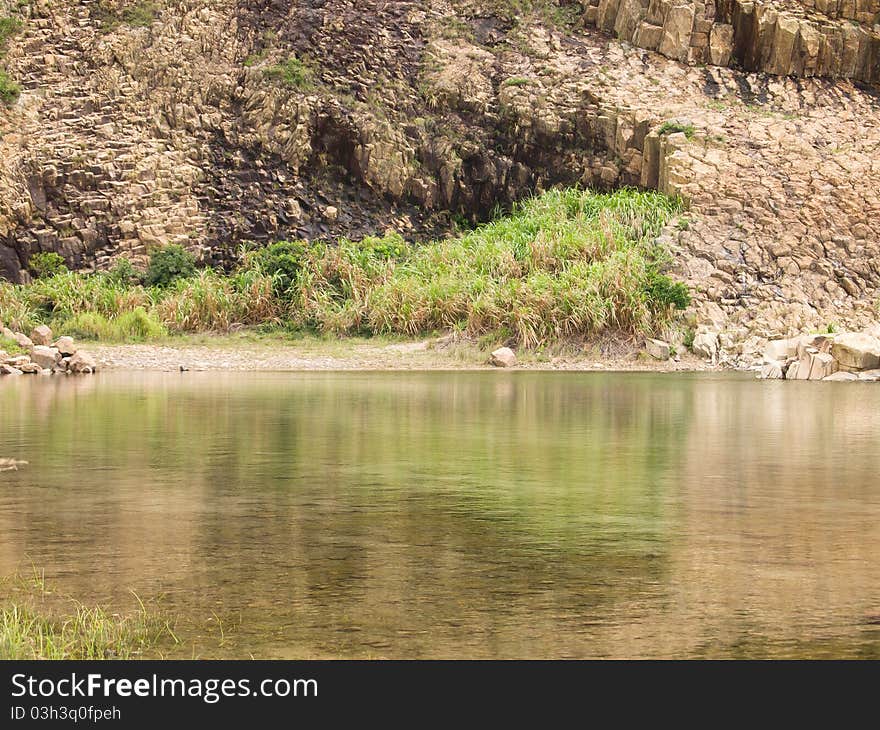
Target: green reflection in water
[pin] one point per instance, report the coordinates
(456, 514)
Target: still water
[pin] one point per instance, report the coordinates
(489, 514)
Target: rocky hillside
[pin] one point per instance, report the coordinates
(218, 122)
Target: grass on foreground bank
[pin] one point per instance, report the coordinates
(568, 263)
(38, 623)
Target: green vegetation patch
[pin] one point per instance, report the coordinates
(169, 264)
(37, 623)
(47, 264)
(9, 89)
(10, 346)
(140, 14)
(517, 81)
(9, 26)
(672, 127)
(292, 72)
(566, 264)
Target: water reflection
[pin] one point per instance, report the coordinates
(458, 514)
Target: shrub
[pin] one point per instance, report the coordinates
(169, 264)
(663, 292)
(47, 264)
(282, 262)
(9, 89)
(123, 273)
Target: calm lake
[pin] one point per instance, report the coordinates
(456, 515)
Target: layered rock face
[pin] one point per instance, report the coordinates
(217, 123)
(831, 38)
(182, 127)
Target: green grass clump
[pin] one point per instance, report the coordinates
(10, 346)
(136, 325)
(292, 72)
(673, 127)
(37, 623)
(9, 26)
(140, 15)
(566, 264)
(517, 81)
(211, 302)
(83, 633)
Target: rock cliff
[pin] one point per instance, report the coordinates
(218, 122)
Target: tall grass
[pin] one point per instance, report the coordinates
(38, 623)
(82, 633)
(567, 263)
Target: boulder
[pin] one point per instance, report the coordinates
(45, 357)
(7, 333)
(65, 346)
(331, 212)
(818, 343)
(503, 357)
(657, 349)
(9, 370)
(781, 349)
(23, 340)
(720, 44)
(822, 365)
(772, 371)
(706, 345)
(791, 372)
(31, 368)
(869, 376)
(677, 30)
(82, 362)
(856, 351)
(840, 377)
(41, 335)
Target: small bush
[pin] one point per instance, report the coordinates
(46, 265)
(124, 273)
(689, 336)
(282, 261)
(663, 292)
(292, 72)
(9, 89)
(169, 264)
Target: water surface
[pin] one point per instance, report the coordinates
(489, 514)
